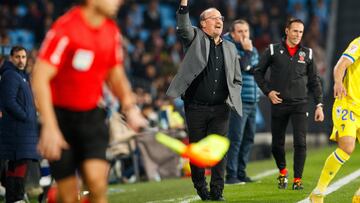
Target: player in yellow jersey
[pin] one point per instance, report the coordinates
(346, 118)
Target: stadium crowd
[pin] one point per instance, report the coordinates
(153, 52)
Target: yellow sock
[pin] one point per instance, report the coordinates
(356, 197)
(357, 193)
(332, 165)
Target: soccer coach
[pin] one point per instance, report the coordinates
(209, 82)
(293, 74)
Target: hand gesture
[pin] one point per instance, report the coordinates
(246, 43)
(319, 114)
(273, 96)
(51, 143)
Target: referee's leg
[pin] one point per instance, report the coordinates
(95, 174)
(68, 189)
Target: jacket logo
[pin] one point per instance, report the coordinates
(281, 51)
(301, 57)
(302, 54)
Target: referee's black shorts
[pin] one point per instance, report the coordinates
(88, 136)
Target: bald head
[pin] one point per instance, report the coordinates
(207, 12)
(211, 22)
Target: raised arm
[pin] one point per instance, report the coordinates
(184, 29)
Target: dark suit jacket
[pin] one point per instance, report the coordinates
(197, 48)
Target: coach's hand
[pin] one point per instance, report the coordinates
(319, 114)
(273, 96)
(51, 143)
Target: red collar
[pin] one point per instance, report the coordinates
(291, 50)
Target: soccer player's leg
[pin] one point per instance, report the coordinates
(332, 165)
(95, 173)
(344, 132)
(356, 198)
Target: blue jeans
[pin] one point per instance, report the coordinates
(241, 135)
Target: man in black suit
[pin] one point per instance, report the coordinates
(209, 82)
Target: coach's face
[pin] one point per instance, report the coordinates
(108, 7)
(212, 23)
(19, 59)
(294, 33)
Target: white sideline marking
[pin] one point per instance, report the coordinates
(180, 199)
(338, 184)
(188, 199)
(265, 173)
(194, 198)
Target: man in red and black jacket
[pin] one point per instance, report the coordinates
(293, 74)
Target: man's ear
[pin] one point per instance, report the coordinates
(202, 24)
(286, 31)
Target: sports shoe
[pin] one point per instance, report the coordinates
(316, 197)
(356, 199)
(217, 198)
(246, 179)
(283, 181)
(216, 195)
(297, 185)
(203, 193)
(232, 181)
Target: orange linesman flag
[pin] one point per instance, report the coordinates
(205, 153)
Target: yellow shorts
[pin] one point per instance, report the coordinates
(345, 119)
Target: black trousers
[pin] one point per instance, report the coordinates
(15, 180)
(280, 116)
(201, 121)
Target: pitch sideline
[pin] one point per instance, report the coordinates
(188, 199)
(337, 185)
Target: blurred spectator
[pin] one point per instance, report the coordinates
(300, 12)
(262, 32)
